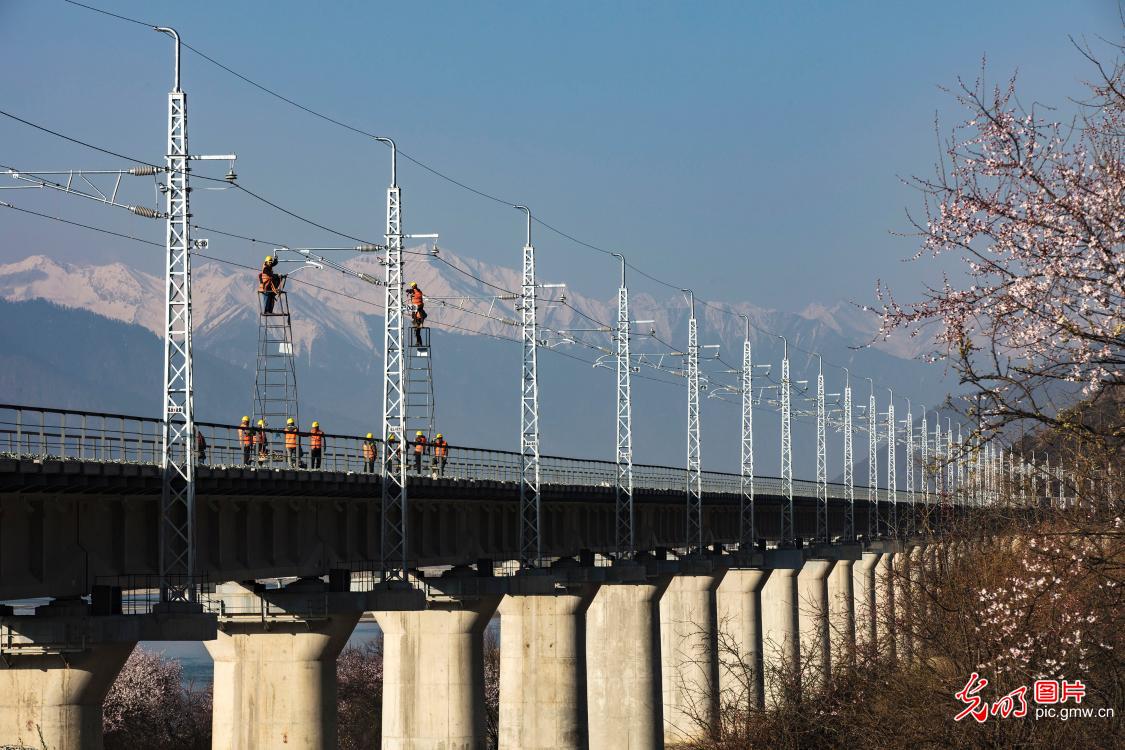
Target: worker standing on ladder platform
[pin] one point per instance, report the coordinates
(419, 450)
(269, 284)
(245, 439)
(200, 448)
(441, 453)
(418, 312)
(262, 442)
(369, 454)
(316, 445)
(292, 442)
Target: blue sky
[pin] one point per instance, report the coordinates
(749, 150)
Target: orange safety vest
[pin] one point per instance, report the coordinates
(441, 448)
(316, 439)
(244, 435)
(420, 445)
(416, 296)
(369, 449)
(291, 437)
(267, 282)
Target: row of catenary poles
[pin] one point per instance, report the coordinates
(603, 666)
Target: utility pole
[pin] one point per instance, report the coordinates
(694, 461)
(849, 461)
(177, 566)
(788, 535)
(747, 534)
(872, 465)
(925, 428)
(892, 479)
(951, 463)
(394, 490)
(531, 553)
(910, 464)
(624, 493)
(821, 457)
(961, 456)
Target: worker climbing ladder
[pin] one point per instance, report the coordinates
(420, 384)
(275, 383)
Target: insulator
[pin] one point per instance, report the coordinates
(145, 169)
(368, 248)
(144, 211)
(371, 279)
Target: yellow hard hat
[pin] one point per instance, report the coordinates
(246, 419)
(261, 423)
(369, 436)
(392, 437)
(439, 434)
(290, 421)
(413, 284)
(316, 424)
(269, 259)
(419, 433)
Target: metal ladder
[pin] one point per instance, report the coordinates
(419, 385)
(275, 382)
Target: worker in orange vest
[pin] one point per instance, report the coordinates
(441, 453)
(200, 448)
(369, 454)
(316, 445)
(419, 450)
(245, 439)
(394, 453)
(262, 441)
(418, 313)
(292, 441)
(269, 284)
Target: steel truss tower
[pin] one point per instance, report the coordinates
(892, 479)
(951, 487)
(694, 453)
(530, 549)
(394, 489)
(624, 488)
(747, 534)
(925, 470)
(275, 381)
(821, 457)
(962, 455)
(787, 531)
(849, 458)
(910, 464)
(177, 499)
(872, 466)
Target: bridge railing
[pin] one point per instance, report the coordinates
(95, 436)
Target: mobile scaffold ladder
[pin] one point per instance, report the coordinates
(275, 383)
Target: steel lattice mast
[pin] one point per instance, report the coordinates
(925, 469)
(961, 474)
(747, 534)
(892, 479)
(177, 500)
(394, 491)
(821, 456)
(624, 491)
(694, 454)
(910, 464)
(530, 549)
(872, 465)
(849, 458)
(951, 486)
(787, 532)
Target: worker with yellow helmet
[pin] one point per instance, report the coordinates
(246, 439)
(292, 442)
(419, 450)
(441, 454)
(316, 445)
(269, 284)
(262, 441)
(369, 452)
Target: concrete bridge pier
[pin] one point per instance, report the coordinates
(841, 605)
(275, 661)
(543, 668)
(886, 638)
(781, 651)
(58, 664)
(813, 626)
(866, 606)
(689, 674)
(738, 606)
(623, 665)
(433, 674)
